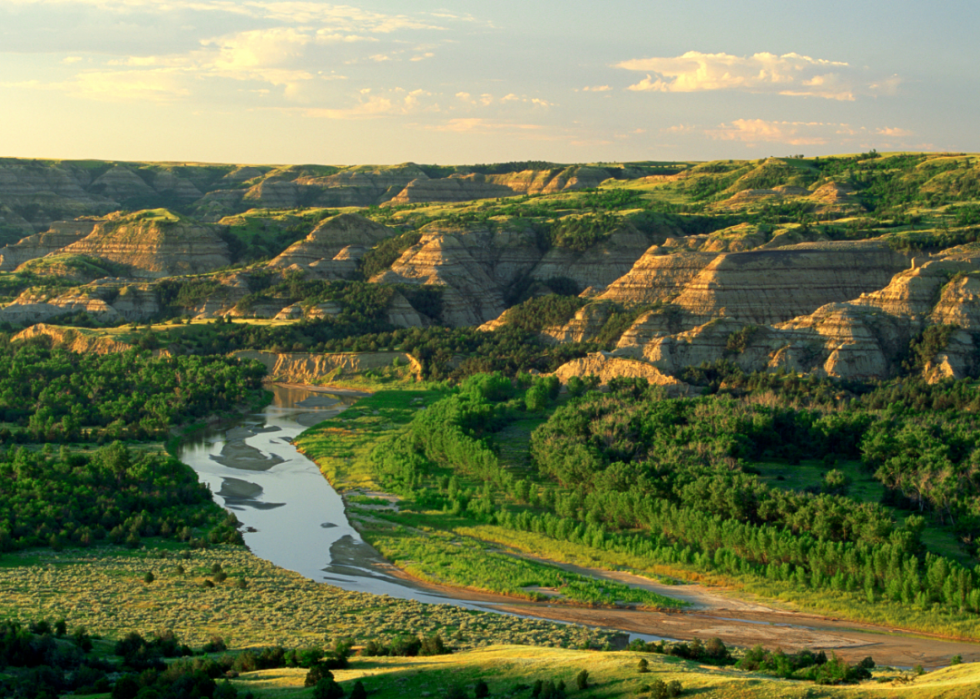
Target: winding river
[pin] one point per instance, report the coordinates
(291, 515)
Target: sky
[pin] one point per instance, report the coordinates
(466, 82)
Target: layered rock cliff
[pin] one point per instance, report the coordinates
(475, 264)
(59, 236)
(155, 244)
(320, 369)
(771, 286)
(334, 247)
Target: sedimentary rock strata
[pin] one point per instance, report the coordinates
(332, 250)
(59, 236)
(155, 245)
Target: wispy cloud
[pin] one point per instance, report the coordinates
(796, 133)
(372, 105)
(789, 74)
(753, 132)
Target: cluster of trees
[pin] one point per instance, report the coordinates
(55, 395)
(611, 465)
(805, 665)
(113, 494)
(42, 659)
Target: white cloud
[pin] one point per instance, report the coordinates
(68, 60)
(423, 56)
(485, 126)
(894, 132)
(158, 85)
(796, 133)
(596, 88)
(343, 17)
(371, 104)
(789, 74)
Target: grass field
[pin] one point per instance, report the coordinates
(510, 671)
(340, 445)
(104, 590)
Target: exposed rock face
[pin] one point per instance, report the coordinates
(551, 181)
(957, 361)
(584, 326)
(959, 303)
(155, 244)
(75, 340)
(402, 314)
(317, 369)
(60, 235)
(273, 194)
(645, 329)
(332, 250)
(740, 238)
(598, 266)
(475, 264)
(606, 368)
(218, 203)
(460, 187)
(242, 174)
(107, 300)
(771, 286)
(13, 226)
(658, 275)
(49, 191)
(166, 182)
(851, 341)
(451, 189)
(834, 198)
(121, 183)
(363, 186)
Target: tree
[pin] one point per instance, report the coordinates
(358, 691)
(481, 691)
(225, 690)
(582, 679)
(643, 665)
(327, 688)
(317, 673)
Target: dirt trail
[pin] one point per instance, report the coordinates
(736, 622)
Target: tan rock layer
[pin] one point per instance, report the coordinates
(61, 235)
(301, 367)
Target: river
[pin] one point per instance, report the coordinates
(291, 515)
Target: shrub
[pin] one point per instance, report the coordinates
(582, 679)
(358, 691)
(318, 672)
(481, 691)
(126, 687)
(643, 665)
(326, 688)
(215, 645)
(433, 645)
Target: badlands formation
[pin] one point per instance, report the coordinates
(781, 264)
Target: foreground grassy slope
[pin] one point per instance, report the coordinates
(256, 604)
(511, 670)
